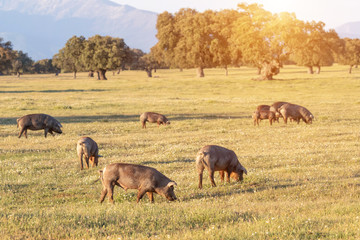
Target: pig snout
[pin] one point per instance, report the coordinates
(57, 130)
(171, 196)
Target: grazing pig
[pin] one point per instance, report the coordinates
(152, 118)
(130, 176)
(89, 149)
(264, 114)
(296, 113)
(216, 158)
(38, 122)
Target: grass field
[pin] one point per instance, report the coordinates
(303, 180)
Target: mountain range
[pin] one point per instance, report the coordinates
(42, 27)
(349, 30)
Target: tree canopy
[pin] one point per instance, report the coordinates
(6, 55)
(350, 54)
(249, 35)
(68, 57)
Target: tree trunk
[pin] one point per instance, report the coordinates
(310, 70)
(98, 75)
(318, 69)
(226, 71)
(91, 74)
(259, 71)
(200, 72)
(269, 70)
(102, 73)
(350, 69)
(74, 74)
(18, 74)
(118, 72)
(148, 72)
(181, 69)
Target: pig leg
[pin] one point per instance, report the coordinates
(81, 161)
(200, 169)
(141, 193)
(103, 194)
(23, 129)
(110, 189)
(51, 132)
(285, 120)
(96, 160)
(211, 176)
(46, 131)
(92, 161)
(87, 161)
(222, 174)
(228, 176)
(25, 132)
(151, 196)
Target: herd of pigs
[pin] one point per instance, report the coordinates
(148, 180)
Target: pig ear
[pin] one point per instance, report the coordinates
(172, 184)
(60, 125)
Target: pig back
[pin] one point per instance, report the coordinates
(36, 121)
(133, 176)
(263, 107)
(290, 110)
(275, 107)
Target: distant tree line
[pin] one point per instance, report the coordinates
(99, 54)
(18, 62)
(248, 36)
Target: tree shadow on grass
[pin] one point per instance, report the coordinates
(54, 91)
(14, 187)
(98, 118)
(203, 194)
(207, 116)
(82, 119)
(170, 161)
(126, 118)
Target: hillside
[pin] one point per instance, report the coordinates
(41, 28)
(349, 30)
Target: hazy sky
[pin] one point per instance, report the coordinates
(332, 12)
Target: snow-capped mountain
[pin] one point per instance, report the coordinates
(42, 27)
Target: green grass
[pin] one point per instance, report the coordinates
(303, 181)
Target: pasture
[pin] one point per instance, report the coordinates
(303, 180)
